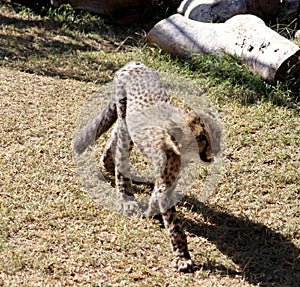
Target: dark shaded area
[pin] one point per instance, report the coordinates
(21, 48)
(147, 13)
(266, 13)
(230, 70)
(284, 12)
(226, 69)
(39, 6)
(265, 257)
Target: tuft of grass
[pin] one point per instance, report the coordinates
(64, 13)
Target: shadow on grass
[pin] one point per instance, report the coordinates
(265, 257)
(230, 71)
(62, 49)
(89, 24)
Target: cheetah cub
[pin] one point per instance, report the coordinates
(139, 99)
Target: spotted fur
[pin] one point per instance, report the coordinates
(139, 90)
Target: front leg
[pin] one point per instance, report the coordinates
(182, 260)
(163, 199)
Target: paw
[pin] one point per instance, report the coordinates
(151, 207)
(128, 205)
(184, 265)
(151, 212)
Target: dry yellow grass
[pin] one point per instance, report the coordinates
(53, 234)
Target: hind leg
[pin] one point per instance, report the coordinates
(126, 201)
(109, 152)
(108, 155)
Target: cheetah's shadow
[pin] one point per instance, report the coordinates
(265, 257)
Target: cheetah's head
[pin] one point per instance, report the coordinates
(207, 131)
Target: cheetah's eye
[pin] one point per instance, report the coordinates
(201, 138)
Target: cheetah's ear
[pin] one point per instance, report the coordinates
(194, 119)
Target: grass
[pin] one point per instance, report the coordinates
(52, 233)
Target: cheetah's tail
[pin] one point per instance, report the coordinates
(89, 133)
